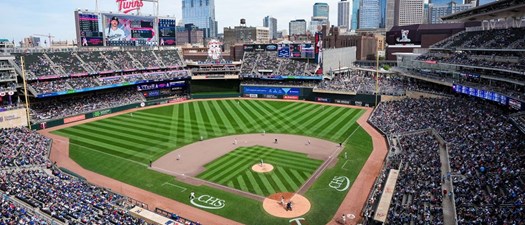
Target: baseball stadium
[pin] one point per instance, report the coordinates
(131, 126)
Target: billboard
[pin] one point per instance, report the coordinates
(271, 91)
(125, 29)
(13, 118)
(318, 50)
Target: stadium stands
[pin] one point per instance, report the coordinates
(362, 83)
(511, 38)
(484, 150)
(96, 61)
(258, 64)
(64, 106)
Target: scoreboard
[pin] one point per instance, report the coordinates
(88, 29)
(167, 31)
(109, 29)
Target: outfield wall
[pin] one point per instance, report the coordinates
(302, 93)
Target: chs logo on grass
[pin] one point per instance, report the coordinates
(208, 202)
(340, 183)
(127, 6)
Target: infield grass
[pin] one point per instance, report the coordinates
(121, 147)
(291, 170)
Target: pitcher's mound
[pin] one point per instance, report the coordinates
(265, 168)
(300, 205)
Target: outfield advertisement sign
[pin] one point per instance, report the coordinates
(291, 97)
(279, 77)
(322, 99)
(13, 118)
(74, 119)
(272, 91)
(102, 112)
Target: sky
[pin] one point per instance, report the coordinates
(23, 18)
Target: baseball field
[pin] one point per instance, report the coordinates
(122, 147)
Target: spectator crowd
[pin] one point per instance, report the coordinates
(485, 153)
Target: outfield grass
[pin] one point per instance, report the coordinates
(291, 170)
(120, 147)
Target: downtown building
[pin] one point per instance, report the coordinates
(404, 12)
(343, 14)
(320, 17)
(271, 23)
(245, 35)
(436, 11)
(369, 14)
(297, 27)
(200, 13)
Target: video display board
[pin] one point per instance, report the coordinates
(122, 30)
(167, 32)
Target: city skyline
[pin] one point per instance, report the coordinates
(58, 17)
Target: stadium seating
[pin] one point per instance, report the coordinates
(268, 63)
(363, 84)
(511, 38)
(64, 106)
(484, 150)
(170, 58)
(96, 61)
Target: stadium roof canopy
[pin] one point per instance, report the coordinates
(494, 10)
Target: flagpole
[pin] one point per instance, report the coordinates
(25, 92)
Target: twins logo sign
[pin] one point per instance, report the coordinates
(208, 202)
(340, 183)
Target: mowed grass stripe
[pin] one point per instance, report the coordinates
(242, 184)
(333, 127)
(268, 188)
(282, 173)
(113, 150)
(279, 183)
(286, 122)
(187, 115)
(105, 141)
(210, 116)
(218, 172)
(338, 112)
(298, 176)
(237, 114)
(278, 156)
(300, 164)
(253, 182)
(256, 118)
(227, 118)
(157, 126)
(264, 117)
(122, 136)
(347, 128)
(200, 120)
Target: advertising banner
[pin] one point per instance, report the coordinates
(13, 118)
(272, 91)
(75, 118)
(291, 97)
(322, 99)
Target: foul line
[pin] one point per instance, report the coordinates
(174, 185)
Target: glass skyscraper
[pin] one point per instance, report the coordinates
(354, 21)
(369, 15)
(321, 9)
(200, 13)
(382, 13)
